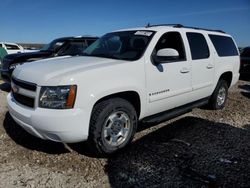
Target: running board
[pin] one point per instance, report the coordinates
(169, 114)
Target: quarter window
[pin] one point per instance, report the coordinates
(198, 46)
(224, 45)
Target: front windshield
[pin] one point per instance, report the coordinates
(124, 45)
(54, 46)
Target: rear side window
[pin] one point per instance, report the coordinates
(11, 47)
(198, 46)
(224, 45)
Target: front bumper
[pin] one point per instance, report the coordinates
(68, 126)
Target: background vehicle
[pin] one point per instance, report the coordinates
(58, 47)
(245, 62)
(11, 48)
(147, 74)
(3, 53)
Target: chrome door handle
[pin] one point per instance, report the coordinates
(210, 66)
(185, 70)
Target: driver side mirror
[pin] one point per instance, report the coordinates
(165, 55)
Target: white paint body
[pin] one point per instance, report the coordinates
(186, 81)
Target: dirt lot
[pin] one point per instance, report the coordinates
(199, 149)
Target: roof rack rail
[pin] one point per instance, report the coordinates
(198, 28)
(182, 26)
(174, 25)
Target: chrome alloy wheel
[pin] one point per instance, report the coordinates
(221, 96)
(116, 128)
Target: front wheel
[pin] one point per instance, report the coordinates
(219, 96)
(112, 126)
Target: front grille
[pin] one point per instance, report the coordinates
(25, 85)
(24, 100)
(23, 97)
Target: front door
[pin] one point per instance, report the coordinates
(169, 83)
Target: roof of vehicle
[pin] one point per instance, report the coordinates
(77, 38)
(161, 27)
(8, 43)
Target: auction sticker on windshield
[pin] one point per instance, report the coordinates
(144, 33)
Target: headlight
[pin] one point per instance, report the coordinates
(13, 66)
(57, 97)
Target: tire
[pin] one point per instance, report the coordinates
(113, 124)
(219, 96)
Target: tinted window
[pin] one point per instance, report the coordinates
(172, 40)
(72, 48)
(90, 41)
(198, 46)
(224, 45)
(11, 47)
(1, 46)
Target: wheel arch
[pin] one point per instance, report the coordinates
(227, 76)
(131, 96)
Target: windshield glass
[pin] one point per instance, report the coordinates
(53, 46)
(124, 45)
(72, 48)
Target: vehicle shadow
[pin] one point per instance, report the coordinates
(21, 137)
(190, 152)
(5, 87)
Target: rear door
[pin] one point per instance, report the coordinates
(202, 64)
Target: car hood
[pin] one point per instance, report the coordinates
(28, 55)
(52, 71)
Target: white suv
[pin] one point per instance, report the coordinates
(147, 74)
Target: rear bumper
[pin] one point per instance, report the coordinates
(68, 126)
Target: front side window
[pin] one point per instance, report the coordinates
(172, 40)
(224, 45)
(124, 45)
(198, 46)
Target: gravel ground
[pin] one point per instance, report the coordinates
(200, 149)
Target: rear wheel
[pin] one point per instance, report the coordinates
(112, 126)
(219, 96)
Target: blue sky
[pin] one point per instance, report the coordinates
(42, 21)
